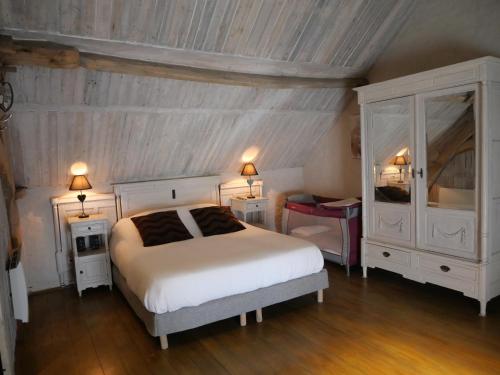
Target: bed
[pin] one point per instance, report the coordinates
(183, 285)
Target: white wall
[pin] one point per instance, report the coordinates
(331, 170)
(438, 33)
(38, 230)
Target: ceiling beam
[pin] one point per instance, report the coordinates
(144, 68)
(53, 55)
(47, 54)
(184, 57)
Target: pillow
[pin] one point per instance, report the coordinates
(159, 228)
(309, 230)
(216, 220)
(184, 215)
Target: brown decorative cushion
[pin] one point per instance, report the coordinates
(216, 220)
(160, 228)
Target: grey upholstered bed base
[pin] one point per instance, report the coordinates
(219, 309)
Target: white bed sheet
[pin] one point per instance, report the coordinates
(188, 273)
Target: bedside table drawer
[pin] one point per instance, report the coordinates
(252, 207)
(87, 229)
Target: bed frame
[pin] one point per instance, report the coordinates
(135, 197)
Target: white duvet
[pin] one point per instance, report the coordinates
(188, 273)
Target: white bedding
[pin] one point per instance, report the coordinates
(188, 273)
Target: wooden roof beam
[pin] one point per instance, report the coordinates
(53, 55)
(47, 54)
(145, 68)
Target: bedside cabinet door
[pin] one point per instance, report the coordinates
(92, 271)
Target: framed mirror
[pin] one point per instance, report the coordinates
(391, 150)
(450, 133)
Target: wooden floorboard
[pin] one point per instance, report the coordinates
(382, 325)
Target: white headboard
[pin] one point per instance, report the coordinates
(134, 197)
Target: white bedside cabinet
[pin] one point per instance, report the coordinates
(89, 237)
(247, 208)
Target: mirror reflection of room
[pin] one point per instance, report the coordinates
(391, 153)
(450, 133)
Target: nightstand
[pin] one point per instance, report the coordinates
(247, 208)
(89, 237)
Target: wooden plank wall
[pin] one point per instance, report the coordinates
(133, 128)
(129, 127)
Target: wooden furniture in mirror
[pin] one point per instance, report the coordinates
(431, 182)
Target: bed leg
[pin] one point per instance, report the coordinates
(243, 319)
(164, 342)
(320, 296)
(258, 315)
(348, 270)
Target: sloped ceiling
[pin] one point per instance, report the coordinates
(134, 128)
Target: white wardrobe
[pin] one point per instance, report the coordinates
(431, 177)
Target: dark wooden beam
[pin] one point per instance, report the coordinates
(47, 54)
(8, 69)
(52, 55)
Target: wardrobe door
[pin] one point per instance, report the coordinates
(447, 171)
(389, 155)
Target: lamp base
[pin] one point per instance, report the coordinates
(83, 216)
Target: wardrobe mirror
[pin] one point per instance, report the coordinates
(391, 135)
(450, 149)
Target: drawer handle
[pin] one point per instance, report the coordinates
(386, 254)
(89, 228)
(81, 272)
(445, 268)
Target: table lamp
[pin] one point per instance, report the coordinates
(80, 182)
(249, 171)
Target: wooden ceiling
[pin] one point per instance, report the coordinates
(130, 127)
(319, 33)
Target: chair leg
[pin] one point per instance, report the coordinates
(258, 315)
(243, 319)
(320, 296)
(164, 342)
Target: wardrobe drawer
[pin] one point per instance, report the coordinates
(449, 274)
(447, 269)
(387, 258)
(392, 221)
(454, 234)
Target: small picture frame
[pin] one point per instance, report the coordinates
(95, 242)
(80, 244)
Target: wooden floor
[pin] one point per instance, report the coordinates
(382, 325)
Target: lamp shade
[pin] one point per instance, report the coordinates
(400, 160)
(249, 170)
(80, 182)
